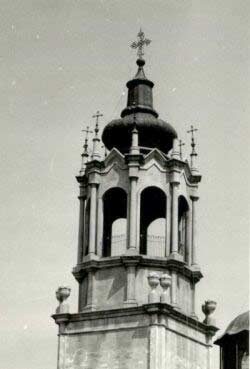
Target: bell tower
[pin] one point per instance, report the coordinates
(136, 267)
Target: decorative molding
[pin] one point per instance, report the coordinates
(179, 266)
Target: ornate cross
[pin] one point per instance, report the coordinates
(180, 146)
(192, 130)
(97, 115)
(87, 132)
(140, 43)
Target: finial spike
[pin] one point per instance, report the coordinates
(96, 140)
(85, 151)
(142, 41)
(193, 144)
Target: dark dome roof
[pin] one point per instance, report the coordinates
(239, 324)
(153, 132)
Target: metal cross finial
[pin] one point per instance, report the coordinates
(97, 115)
(180, 146)
(87, 132)
(193, 144)
(140, 43)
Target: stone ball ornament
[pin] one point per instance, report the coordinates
(208, 309)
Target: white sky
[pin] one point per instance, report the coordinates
(60, 61)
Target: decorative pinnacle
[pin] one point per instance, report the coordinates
(97, 115)
(193, 144)
(87, 131)
(85, 152)
(180, 146)
(140, 44)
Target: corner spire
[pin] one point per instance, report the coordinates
(85, 153)
(193, 154)
(96, 155)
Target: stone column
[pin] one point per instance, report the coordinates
(91, 288)
(168, 226)
(81, 229)
(92, 218)
(194, 230)
(188, 236)
(130, 263)
(100, 227)
(132, 214)
(174, 218)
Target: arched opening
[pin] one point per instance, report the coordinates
(153, 222)
(118, 237)
(182, 226)
(114, 222)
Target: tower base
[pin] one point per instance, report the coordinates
(152, 336)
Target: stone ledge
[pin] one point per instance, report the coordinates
(179, 266)
(163, 312)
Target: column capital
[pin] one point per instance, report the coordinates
(134, 159)
(175, 176)
(194, 197)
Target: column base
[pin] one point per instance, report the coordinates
(175, 256)
(90, 256)
(176, 307)
(194, 316)
(88, 308)
(130, 303)
(195, 268)
(132, 251)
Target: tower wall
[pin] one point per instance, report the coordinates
(133, 338)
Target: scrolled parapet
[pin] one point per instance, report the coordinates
(153, 281)
(208, 308)
(62, 293)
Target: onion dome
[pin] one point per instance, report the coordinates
(153, 132)
(238, 325)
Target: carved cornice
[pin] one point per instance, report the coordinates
(158, 309)
(180, 267)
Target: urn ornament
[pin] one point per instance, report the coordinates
(165, 282)
(153, 281)
(208, 308)
(62, 294)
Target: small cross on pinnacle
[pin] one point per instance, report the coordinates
(142, 41)
(85, 152)
(97, 115)
(180, 146)
(193, 144)
(87, 131)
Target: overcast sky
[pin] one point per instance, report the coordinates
(60, 61)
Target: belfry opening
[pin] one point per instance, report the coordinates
(152, 221)
(114, 222)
